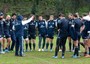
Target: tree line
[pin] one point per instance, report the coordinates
(44, 7)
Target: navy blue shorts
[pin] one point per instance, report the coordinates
(42, 35)
(7, 35)
(84, 34)
(50, 36)
(25, 35)
(32, 36)
(74, 34)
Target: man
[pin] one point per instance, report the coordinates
(7, 33)
(87, 34)
(62, 36)
(19, 34)
(12, 29)
(42, 32)
(70, 19)
(26, 35)
(32, 34)
(57, 22)
(75, 34)
(1, 31)
(50, 32)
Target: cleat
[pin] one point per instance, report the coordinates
(60, 50)
(87, 56)
(55, 57)
(51, 50)
(43, 50)
(6, 50)
(39, 50)
(2, 52)
(72, 50)
(74, 56)
(79, 51)
(62, 57)
(22, 55)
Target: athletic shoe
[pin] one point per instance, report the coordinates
(50, 50)
(22, 55)
(79, 51)
(55, 57)
(46, 50)
(60, 50)
(72, 50)
(16, 55)
(2, 52)
(63, 57)
(87, 56)
(74, 56)
(39, 50)
(6, 50)
(43, 50)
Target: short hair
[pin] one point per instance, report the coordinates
(84, 14)
(14, 14)
(75, 15)
(61, 14)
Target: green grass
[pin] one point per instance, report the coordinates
(36, 57)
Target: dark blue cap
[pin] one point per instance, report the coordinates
(1, 14)
(20, 17)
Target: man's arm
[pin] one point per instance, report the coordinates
(27, 21)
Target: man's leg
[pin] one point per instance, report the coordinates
(17, 47)
(63, 41)
(44, 39)
(47, 44)
(57, 47)
(76, 52)
(21, 45)
(70, 44)
(39, 44)
(13, 38)
(34, 45)
(51, 44)
(26, 44)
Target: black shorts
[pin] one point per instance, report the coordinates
(32, 36)
(42, 35)
(50, 36)
(25, 36)
(6, 35)
(74, 34)
(84, 34)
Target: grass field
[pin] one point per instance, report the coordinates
(36, 57)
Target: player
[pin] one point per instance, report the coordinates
(7, 33)
(51, 25)
(62, 36)
(42, 32)
(32, 34)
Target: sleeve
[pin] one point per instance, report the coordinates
(55, 23)
(27, 21)
(86, 18)
(58, 24)
(46, 22)
(36, 24)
